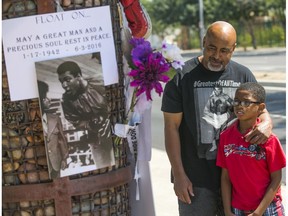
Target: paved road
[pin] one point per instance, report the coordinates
(268, 63)
(258, 61)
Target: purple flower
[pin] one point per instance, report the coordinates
(148, 72)
(141, 50)
(149, 66)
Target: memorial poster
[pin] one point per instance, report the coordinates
(31, 39)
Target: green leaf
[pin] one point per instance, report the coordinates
(171, 73)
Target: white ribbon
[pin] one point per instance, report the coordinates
(131, 132)
(137, 176)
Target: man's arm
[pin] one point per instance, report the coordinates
(182, 184)
(270, 193)
(262, 131)
(79, 122)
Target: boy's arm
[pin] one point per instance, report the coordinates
(226, 191)
(270, 193)
(262, 131)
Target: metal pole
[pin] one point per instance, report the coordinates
(201, 22)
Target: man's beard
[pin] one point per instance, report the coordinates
(213, 68)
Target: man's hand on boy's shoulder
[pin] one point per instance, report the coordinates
(259, 133)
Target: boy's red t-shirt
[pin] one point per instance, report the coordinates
(249, 166)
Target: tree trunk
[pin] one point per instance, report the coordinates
(184, 43)
(250, 26)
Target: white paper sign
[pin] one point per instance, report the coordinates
(56, 35)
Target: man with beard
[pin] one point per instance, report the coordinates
(189, 140)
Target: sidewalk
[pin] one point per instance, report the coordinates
(165, 200)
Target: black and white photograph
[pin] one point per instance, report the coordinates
(75, 114)
(214, 109)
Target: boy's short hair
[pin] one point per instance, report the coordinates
(70, 66)
(257, 90)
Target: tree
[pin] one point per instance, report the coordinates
(247, 16)
(277, 9)
(182, 14)
(242, 11)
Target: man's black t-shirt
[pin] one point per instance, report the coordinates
(205, 99)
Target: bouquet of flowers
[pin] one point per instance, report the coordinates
(150, 67)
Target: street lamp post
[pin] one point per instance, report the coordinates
(201, 22)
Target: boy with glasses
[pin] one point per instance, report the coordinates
(251, 174)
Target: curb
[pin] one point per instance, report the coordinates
(258, 53)
(274, 83)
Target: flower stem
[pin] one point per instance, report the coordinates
(133, 104)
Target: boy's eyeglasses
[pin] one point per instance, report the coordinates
(244, 103)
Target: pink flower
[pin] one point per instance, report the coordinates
(149, 66)
(149, 73)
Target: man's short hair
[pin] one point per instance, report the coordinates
(257, 90)
(70, 66)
